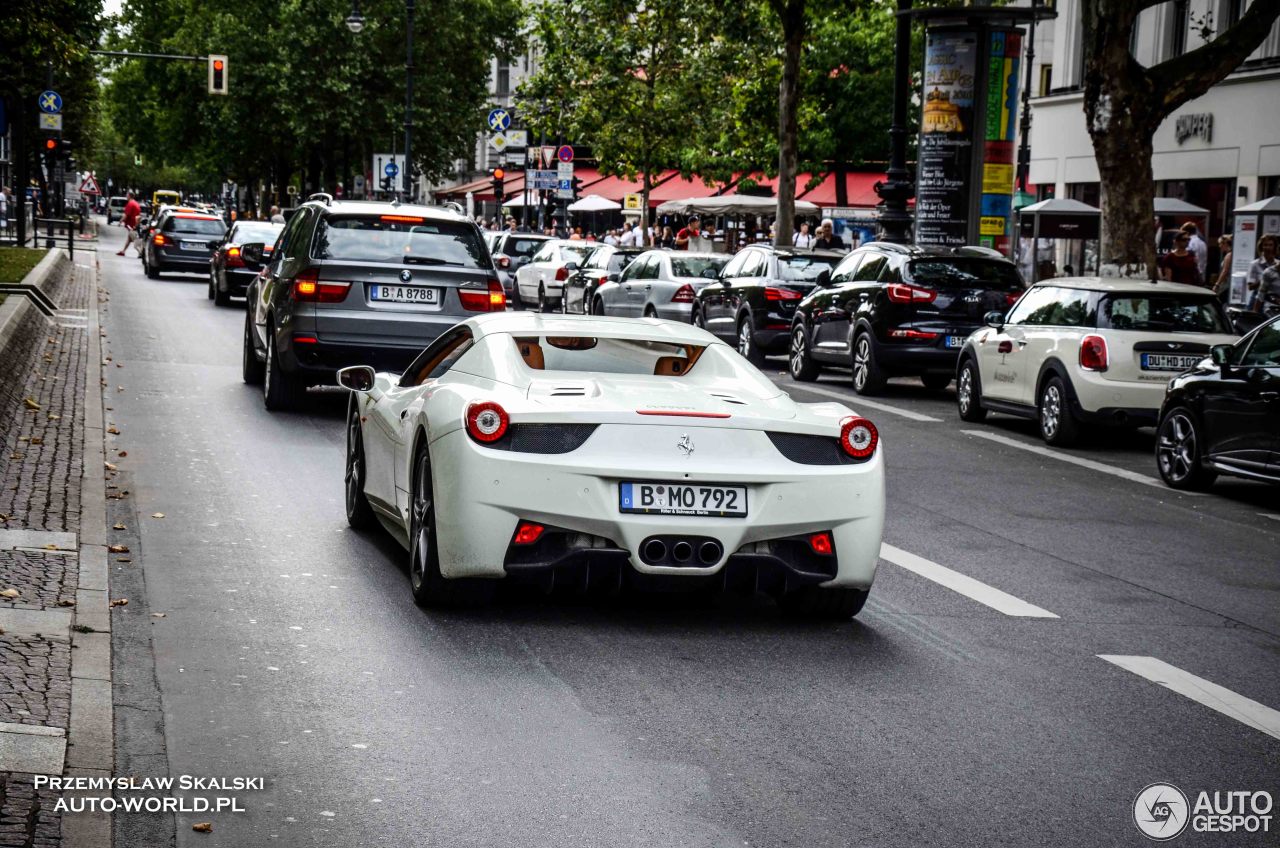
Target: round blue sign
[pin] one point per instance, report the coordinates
(391, 169)
(499, 120)
(50, 102)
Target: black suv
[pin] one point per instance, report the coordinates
(891, 310)
(752, 303)
(1223, 416)
(359, 283)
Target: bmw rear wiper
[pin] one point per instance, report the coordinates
(427, 260)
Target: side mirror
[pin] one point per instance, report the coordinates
(521, 261)
(994, 319)
(613, 277)
(824, 278)
(1260, 377)
(1222, 354)
(571, 266)
(356, 378)
(252, 252)
(724, 281)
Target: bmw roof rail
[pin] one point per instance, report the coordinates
(320, 195)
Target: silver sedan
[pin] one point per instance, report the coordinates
(661, 284)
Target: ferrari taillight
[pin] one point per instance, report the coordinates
(858, 437)
(486, 422)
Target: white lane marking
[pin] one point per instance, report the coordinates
(962, 583)
(1269, 515)
(1122, 473)
(856, 401)
(1215, 697)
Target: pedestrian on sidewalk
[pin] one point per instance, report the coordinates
(1265, 262)
(826, 239)
(276, 217)
(1196, 247)
(803, 238)
(1179, 265)
(1222, 285)
(130, 221)
(691, 232)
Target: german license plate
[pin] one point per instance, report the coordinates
(1169, 361)
(955, 342)
(405, 294)
(683, 499)
(194, 245)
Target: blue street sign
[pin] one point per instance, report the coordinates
(499, 120)
(391, 169)
(565, 153)
(50, 102)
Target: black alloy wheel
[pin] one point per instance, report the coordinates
(280, 391)
(251, 370)
(868, 379)
(1179, 451)
(747, 342)
(430, 587)
(800, 362)
(359, 513)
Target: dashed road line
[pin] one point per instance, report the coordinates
(962, 583)
(1215, 697)
(1122, 473)
(1272, 516)
(857, 401)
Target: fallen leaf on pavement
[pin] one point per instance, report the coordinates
(66, 603)
(119, 388)
(118, 527)
(50, 547)
(109, 466)
(53, 417)
(29, 403)
(122, 453)
(123, 559)
(10, 593)
(202, 827)
(159, 614)
(36, 440)
(157, 515)
(120, 602)
(119, 549)
(113, 431)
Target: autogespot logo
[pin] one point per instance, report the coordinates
(1160, 811)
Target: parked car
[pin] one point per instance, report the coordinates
(1077, 351)
(359, 282)
(660, 284)
(1223, 416)
(602, 269)
(182, 241)
(115, 209)
(229, 272)
(512, 251)
(618, 463)
(541, 280)
(896, 311)
(755, 300)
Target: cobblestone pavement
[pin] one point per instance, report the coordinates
(41, 462)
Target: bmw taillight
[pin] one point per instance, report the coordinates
(234, 259)
(562, 274)
(486, 421)
(490, 299)
(1093, 353)
(308, 288)
(903, 293)
(684, 294)
(771, 293)
(858, 437)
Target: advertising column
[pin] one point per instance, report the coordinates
(1003, 59)
(946, 138)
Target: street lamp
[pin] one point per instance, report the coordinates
(355, 20)
(355, 23)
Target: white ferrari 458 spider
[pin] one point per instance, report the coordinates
(605, 451)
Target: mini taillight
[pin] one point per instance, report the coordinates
(490, 299)
(684, 294)
(1093, 353)
(309, 289)
(527, 533)
(562, 274)
(486, 421)
(821, 543)
(903, 293)
(158, 239)
(771, 293)
(858, 437)
(234, 259)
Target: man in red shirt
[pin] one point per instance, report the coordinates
(131, 212)
(693, 230)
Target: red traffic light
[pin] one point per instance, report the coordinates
(498, 173)
(217, 64)
(51, 144)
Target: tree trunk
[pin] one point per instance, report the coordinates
(792, 15)
(1127, 246)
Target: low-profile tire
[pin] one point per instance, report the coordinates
(838, 604)
(868, 378)
(697, 319)
(211, 285)
(280, 390)
(597, 306)
(220, 297)
(359, 513)
(935, 382)
(650, 312)
(1058, 426)
(542, 298)
(969, 393)
(747, 342)
(1180, 451)
(430, 588)
(251, 369)
(800, 361)
(152, 273)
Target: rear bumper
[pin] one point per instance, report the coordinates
(238, 280)
(682, 312)
(908, 359)
(772, 341)
(164, 260)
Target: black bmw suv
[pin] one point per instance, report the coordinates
(752, 303)
(891, 310)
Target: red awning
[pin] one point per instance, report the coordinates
(678, 188)
(859, 190)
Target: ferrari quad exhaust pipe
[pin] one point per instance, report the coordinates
(686, 551)
(653, 551)
(709, 553)
(682, 551)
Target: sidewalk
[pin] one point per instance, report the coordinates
(55, 689)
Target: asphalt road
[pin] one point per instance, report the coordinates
(290, 648)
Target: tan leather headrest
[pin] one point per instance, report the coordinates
(670, 366)
(532, 353)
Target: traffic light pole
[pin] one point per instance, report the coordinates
(408, 102)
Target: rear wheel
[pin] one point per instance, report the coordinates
(220, 297)
(699, 320)
(597, 306)
(1180, 451)
(840, 604)
(430, 587)
(542, 298)
(359, 514)
(650, 312)
(250, 368)
(211, 286)
(801, 363)
(969, 393)
(868, 379)
(747, 342)
(935, 382)
(1057, 425)
(152, 273)
(280, 390)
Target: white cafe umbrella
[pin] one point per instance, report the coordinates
(594, 203)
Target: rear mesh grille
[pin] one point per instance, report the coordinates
(811, 450)
(545, 438)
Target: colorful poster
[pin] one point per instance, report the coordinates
(945, 156)
(1001, 112)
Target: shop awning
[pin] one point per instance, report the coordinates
(860, 190)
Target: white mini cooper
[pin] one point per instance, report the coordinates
(1076, 351)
